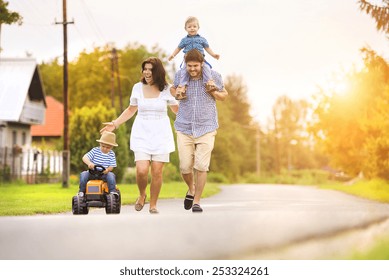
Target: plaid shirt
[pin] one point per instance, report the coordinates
(197, 114)
(193, 42)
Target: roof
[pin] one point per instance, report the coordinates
(17, 77)
(54, 120)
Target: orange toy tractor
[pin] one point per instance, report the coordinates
(97, 195)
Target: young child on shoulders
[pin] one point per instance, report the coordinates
(101, 155)
(194, 41)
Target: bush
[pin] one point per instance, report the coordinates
(300, 177)
(74, 179)
(170, 173)
(129, 176)
(5, 174)
(252, 178)
(217, 178)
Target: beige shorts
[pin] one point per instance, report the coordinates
(151, 157)
(195, 152)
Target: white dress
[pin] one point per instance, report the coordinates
(151, 132)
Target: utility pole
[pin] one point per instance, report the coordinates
(66, 151)
(258, 149)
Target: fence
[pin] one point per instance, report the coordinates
(30, 165)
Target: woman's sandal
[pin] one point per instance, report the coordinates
(188, 202)
(138, 206)
(153, 211)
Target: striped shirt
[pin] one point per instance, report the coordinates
(197, 114)
(97, 157)
(193, 42)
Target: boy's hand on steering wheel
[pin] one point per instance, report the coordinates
(91, 166)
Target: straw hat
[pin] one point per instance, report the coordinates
(108, 138)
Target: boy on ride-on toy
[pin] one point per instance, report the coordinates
(102, 155)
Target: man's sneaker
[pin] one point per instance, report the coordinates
(196, 208)
(80, 194)
(181, 92)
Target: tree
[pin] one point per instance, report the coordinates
(353, 125)
(289, 136)
(90, 75)
(375, 117)
(52, 78)
(8, 17)
(379, 13)
(233, 154)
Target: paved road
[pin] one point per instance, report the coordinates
(239, 221)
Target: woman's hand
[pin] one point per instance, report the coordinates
(109, 126)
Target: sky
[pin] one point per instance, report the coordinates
(283, 47)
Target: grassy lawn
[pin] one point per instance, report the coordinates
(380, 251)
(22, 199)
(377, 190)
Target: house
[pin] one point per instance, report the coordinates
(22, 101)
(22, 104)
(53, 127)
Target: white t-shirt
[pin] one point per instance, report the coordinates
(151, 132)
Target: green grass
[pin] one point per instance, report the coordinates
(380, 251)
(376, 189)
(22, 199)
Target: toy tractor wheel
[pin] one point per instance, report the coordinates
(78, 206)
(119, 201)
(113, 204)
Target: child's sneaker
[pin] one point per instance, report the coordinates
(181, 92)
(80, 194)
(114, 193)
(210, 86)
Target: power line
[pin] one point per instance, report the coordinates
(92, 21)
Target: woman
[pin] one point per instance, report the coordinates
(151, 135)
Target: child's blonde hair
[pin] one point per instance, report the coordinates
(191, 19)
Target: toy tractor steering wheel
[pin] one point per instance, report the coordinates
(97, 170)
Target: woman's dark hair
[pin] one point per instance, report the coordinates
(158, 72)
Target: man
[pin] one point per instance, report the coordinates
(196, 126)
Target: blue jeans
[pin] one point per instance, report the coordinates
(85, 176)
